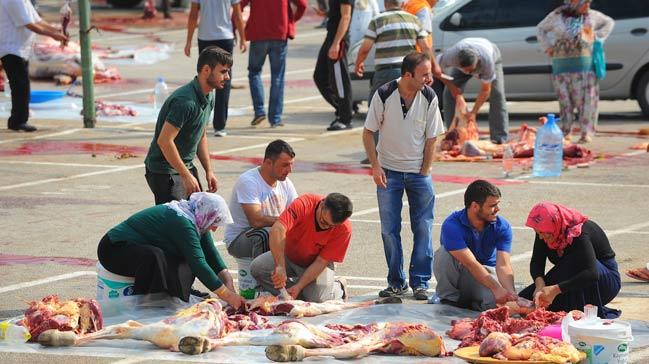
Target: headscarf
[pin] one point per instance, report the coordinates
(204, 210)
(562, 222)
(574, 21)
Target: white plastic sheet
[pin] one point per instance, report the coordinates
(152, 309)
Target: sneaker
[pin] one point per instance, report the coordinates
(420, 294)
(220, 133)
(339, 125)
(197, 293)
(343, 285)
(277, 125)
(392, 292)
(365, 161)
(257, 120)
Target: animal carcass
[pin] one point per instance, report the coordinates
(79, 316)
(528, 347)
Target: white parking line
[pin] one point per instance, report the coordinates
(58, 164)
(15, 287)
(405, 203)
(44, 136)
(585, 184)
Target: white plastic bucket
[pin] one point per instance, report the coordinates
(603, 341)
(111, 286)
(247, 284)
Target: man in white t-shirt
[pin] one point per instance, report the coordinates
(259, 196)
(406, 114)
(18, 23)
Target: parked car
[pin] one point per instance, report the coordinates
(511, 24)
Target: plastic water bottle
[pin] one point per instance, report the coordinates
(160, 93)
(7, 91)
(13, 334)
(508, 161)
(548, 150)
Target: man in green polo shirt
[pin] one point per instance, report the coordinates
(180, 132)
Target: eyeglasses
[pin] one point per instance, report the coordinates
(324, 224)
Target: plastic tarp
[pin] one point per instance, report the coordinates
(148, 310)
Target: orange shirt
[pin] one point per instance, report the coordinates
(413, 7)
(304, 239)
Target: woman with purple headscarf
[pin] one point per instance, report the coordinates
(166, 246)
(567, 35)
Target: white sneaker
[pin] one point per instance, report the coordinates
(220, 133)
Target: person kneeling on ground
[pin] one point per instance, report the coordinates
(585, 270)
(166, 246)
(309, 236)
(259, 196)
(472, 267)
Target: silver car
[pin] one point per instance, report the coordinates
(511, 25)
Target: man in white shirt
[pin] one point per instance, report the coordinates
(406, 114)
(259, 196)
(18, 23)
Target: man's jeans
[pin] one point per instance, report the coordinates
(421, 198)
(276, 51)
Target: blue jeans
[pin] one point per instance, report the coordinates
(276, 51)
(421, 198)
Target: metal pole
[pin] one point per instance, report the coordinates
(87, 71)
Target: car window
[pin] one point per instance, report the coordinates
(623, 9)
(516, 13)
(492, 14)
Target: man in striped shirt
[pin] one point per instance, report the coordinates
(395, 33)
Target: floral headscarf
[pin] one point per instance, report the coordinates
(204, 210)
(574, 21)
(562, 222)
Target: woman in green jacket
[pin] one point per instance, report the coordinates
(166, 246)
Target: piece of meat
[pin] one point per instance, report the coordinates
(495, 343)
(388, 338)
(521, 306)
(529, 347)
(273, 306)
(80, 316)
(66, 18)
(547, 317)
(149, 10)
(103, 108)
(460, 329)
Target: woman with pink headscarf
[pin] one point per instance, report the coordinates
(165, 247)
(585, 270)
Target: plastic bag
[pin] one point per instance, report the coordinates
(599, 59)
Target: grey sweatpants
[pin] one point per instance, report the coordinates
(455, 283)
(323, 288)
(250, 243)
(498, 116)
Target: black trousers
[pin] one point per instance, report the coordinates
(333, 81)
(17, 70)
(154, 270)
(221, 97)
(168, 187)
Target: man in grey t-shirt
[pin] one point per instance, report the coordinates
(480, 58)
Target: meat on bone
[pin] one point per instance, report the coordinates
(273, 306)
(472, 332)
(529, 347)
(79, 316)
(66, 18)
(295, 341)
(205, 318)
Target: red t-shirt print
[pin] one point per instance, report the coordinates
(304, 242)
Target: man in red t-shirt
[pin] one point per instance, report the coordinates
(310, 235)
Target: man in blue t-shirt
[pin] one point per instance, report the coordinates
(472, 267)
